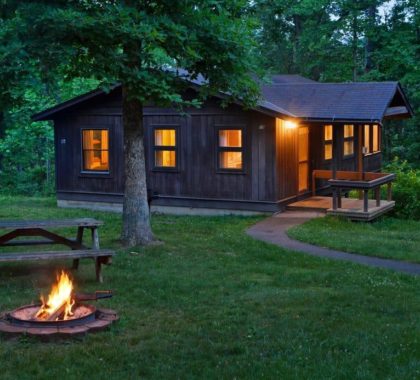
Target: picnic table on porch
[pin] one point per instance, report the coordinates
(40, 229)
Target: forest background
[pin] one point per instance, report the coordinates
(325, 40)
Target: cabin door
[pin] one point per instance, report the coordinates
(303, 159)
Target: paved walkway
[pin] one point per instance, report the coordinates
(273, 230)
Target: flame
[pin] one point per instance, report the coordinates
(59, 297)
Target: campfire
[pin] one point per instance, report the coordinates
(60, 301)
(62, 312)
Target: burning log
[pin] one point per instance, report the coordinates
(58, 314)
(60, 302)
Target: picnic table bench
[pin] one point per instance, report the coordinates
(40, 229)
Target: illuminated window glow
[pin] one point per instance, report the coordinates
(230, 149)
(303, 155)
(165, 148)
(372, 138)
(165, 137)
(366, 142)
(328, 142)
(348, 148)
(348, 130)
(231, 160)
(230, 138)
(95, 147)
(348, 140)
(375, 138)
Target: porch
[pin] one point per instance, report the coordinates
(367, 185)
(351, 208)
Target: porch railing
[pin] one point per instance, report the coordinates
(362, 181)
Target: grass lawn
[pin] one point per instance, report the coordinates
(211, 302)
(387, 237)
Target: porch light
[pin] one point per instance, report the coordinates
(290, 124)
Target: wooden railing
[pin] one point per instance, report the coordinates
(362, 181)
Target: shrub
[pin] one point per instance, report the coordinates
(406, 189)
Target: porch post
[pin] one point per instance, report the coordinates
(365, 200)
(378, 196)
(336, 192)
(360, 166)
(334, 199)
(335, 152)
(339, 198)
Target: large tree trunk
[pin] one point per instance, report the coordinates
(136, 216)
(369, 44)
(297, 32)
(354, 45)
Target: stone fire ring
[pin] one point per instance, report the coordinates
(104, 318)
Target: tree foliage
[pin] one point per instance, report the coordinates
(347, 40)
(143, 45)
(53, 50)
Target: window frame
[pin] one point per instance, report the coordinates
(370, 147)
(379, 138)
(348, 139)
(89, 172)
(327, 142)
(155, 148)
(220, 149)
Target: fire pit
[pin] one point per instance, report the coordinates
(61, 314)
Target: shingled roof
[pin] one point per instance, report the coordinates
(356, 101)
(293, 96)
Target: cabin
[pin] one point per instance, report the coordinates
(302, 141)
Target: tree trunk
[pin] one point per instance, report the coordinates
(136, 216)
(297, 32)
(354, 46)
(369, 44)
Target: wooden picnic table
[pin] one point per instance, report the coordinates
(41, 230)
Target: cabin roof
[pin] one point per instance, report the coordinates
(293, 96)
(354, 101)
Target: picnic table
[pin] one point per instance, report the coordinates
(41, 229)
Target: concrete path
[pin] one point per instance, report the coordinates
(273, 230)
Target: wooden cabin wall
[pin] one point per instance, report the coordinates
(69, 175)
(197, 176)
(270, 156)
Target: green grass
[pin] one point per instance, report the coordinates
(210, 302)
(387, 237)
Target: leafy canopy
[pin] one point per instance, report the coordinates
(132, 42)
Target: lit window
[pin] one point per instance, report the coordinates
(348, 140)
(372, 139)
(165, 147)
(348, 130)
(95, 150)
(375, 138)
(328, 142)
(230, 149)
(165, 137)
(366, 143)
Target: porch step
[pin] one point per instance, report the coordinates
(351, 208)
(359, 215)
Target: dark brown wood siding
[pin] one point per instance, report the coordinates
(270, 174)
(197, 175)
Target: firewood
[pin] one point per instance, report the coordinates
(57, 313)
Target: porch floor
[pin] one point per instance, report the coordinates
(351, 208)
